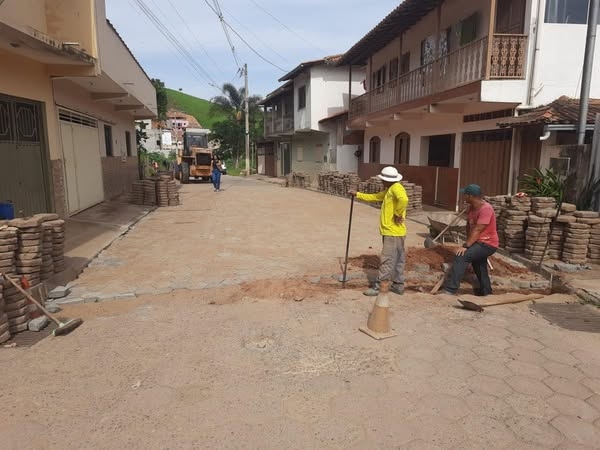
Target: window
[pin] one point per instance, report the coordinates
(128, 142)
(374, 149)
(302, 97)
(108, 140)
(394, 69)
(405, 64)
(468, 29)
(378, 79)
(567, 11)
(299, 153)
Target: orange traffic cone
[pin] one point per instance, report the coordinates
(378, 324)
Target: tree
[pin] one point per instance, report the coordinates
(230, 132)
(161, 98)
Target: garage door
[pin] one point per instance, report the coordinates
(485, 160)
(83, 166)
(23, 158)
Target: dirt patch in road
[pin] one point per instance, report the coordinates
(435, 257)
(291, 289)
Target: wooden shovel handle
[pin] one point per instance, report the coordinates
(33, 300)
(515, 300)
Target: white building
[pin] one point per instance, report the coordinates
(443, 73)
(297, 138)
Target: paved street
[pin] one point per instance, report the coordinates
(229, 331)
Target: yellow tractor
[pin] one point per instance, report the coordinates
(194, 160)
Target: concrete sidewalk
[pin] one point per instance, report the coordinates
(93, 230)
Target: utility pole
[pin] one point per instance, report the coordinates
(247, 109)
(588, 64)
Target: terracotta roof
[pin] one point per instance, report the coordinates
(562, 111)
(406, 15)
(327, 60)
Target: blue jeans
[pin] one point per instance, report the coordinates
(216, 178)
(476, 255)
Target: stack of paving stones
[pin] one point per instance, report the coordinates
(47, 247)
(336, 183)
(149, 192)
(594, 245)
(577, 238)
(172, 192)
(137, 192)
(8, 247)
(589, 219)
(536, 236)
(29, 253)
(4, 325)
(16, 308)
(58, 244)
(511, 223)
(415, 196)
(559, 229)
(162, 193)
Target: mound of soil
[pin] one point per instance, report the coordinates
(435, 257)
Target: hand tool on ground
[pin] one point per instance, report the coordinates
(63, 327)
(472, 306)
(438, 285)
(430, 243)
(343, 277)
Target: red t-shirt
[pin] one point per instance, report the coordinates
(484, 216)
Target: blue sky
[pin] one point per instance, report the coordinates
(320, 28)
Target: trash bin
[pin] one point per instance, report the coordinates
(7, 210)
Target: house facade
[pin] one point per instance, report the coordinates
(441, 75)
(302, 120)
(70, 92)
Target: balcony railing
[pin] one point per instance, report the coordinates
(278, 125)
(466, 65)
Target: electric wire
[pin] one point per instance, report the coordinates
(263, 9)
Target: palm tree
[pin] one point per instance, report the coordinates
(232, 102)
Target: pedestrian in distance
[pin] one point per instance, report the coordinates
(392, 226)
(216, 173)
(482, 242)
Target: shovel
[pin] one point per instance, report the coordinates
(430, 243)
(472, 306)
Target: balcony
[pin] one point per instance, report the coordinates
(503, 60)
(279, 125)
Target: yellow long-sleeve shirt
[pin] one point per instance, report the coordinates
(394, 203)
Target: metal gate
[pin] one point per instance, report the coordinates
(486, 160)
(23, 158)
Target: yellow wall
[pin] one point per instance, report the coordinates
(22, 77)
(22, 13)
(73, 21)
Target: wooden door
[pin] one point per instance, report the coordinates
(485, 160)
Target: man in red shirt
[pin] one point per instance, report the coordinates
(482, 242)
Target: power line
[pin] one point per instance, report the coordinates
(286, 27)
(177, 44)
(195, 37)
(219, 13)
(223, 21)
(256, 36)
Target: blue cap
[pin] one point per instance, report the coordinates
(472, 189)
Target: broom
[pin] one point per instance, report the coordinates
(62, 327)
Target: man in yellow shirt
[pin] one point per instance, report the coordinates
(392, 227)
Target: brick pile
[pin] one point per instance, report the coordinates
(576, 243)
(415, 195)
(336, 183)
(4, 325)
(589, 219)
(371, 186)
(166, 191)
(511, 223)
(8, 247)
(298, 179)
(536, 236)
(137, 193)
(47, 247)
(58, 244)
(29, 252)
(594, 245)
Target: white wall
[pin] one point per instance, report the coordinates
(419, 130)
(302, 117)
(329, 91)
(71, 96)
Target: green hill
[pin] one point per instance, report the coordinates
(197, 107)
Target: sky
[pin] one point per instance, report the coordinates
(283, 32)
